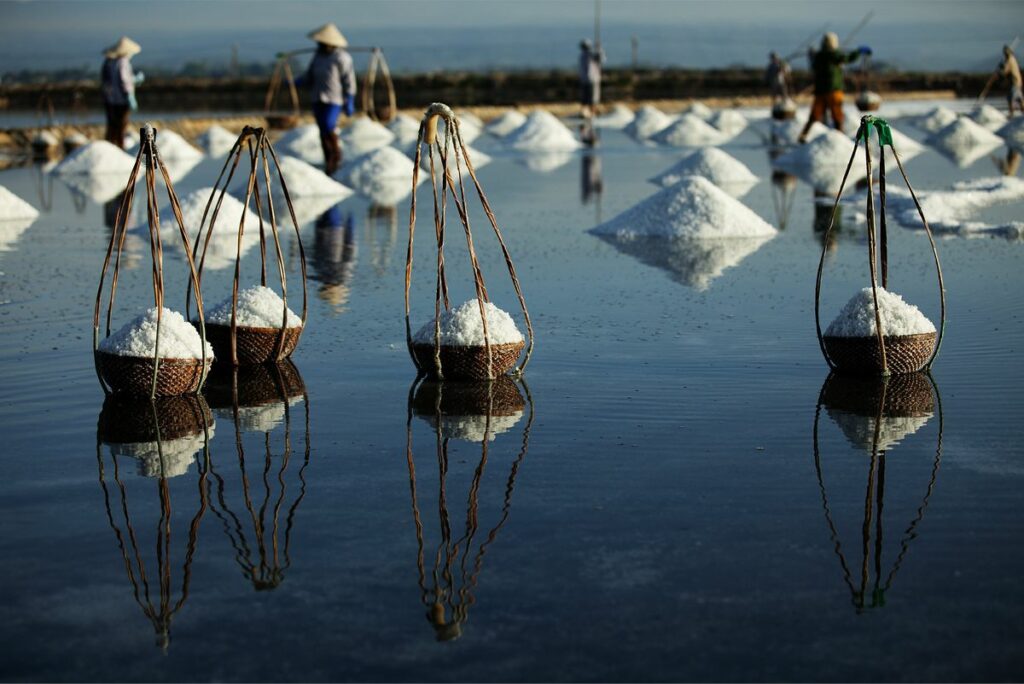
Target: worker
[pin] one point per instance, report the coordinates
(1009, 69)
(827, 65)
(777, 77)
(591, 59)
(118, 87)
(331, 77)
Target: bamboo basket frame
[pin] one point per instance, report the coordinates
(877, 246)
(282, 72)
(257, 144)
(147, 150)
(454, 144)
(378, 64)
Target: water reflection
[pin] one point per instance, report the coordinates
(783, 194)
(258, 399)
(334, 256)
(591, 182)
(163, 436)
(1009, 165)
(476, 413)
(875, 415)
(381, 235)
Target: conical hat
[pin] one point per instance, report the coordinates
(126, 47)
(328, 34)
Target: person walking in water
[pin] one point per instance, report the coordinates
(591, 59)
(117, 83)
(777, 77)
(331, 78)
(827, 65)
(1009, 69)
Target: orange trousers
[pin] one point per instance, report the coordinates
(831, 103)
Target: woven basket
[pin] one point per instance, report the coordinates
(865, 105)
(254, 345)
(282, 122)
(861, 355)
(257, 385)
(124, 420)
(468, 363)
(134, 375)
(907, 395)
(498, 397)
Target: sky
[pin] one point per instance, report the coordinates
(480, 34)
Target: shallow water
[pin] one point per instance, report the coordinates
(666, 501)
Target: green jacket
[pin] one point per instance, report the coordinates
(828, 73)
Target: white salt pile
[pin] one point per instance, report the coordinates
(698, 109)
(137, 338)
(940, 117)
(364, 133)
(728, 121)
(11, 230)
(478, 158)
(307, 181)
(13, 208)
(788, 132)
(217, 140)
(860, 430)
(302, 142)
(220, 253)
(469, 118)
(470, 126)
(690, 131)
(822, 161)
(463, 327)
(693, 207)
(405, 129)
(648, 121)
(97, 187)
(857, 318)
(474, 428)
(170, 145)
(719, 167)
(620, 116)
(952, 210)
(1013, 133)
(258, 307)
(544, 133)
(98, 157)
(169, 458)
(384, 172)
(964, 141)
(907, 147)
(506, 123)
(131, 140)
(989, 117)
(44, 140)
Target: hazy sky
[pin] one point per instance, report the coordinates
(937, 34)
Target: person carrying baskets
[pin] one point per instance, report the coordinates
(331, 78)
(827, 65)
(1009, 69)
(117, 83)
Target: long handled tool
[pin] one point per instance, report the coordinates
(995, 74)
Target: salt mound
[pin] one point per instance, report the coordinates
(989, 117)
(217, 140)
(719, 167)
(543, 132)
(220, 252)
(13, 208)
(728, 121)
(1013, 133)
(698, 109)
(469, 118)
(506, 123)
(137, 338)
(690, 131)
(940, 117)
(693, 207)
(822, 161)
(860, 430)
(304, 180)
(405, 129)
(170, 145)
(619, 117)
(648, 121)
(470, 126)
(11, 230)
(479, 159)
(302, 142)
(964, 141)
(951, 210)
(258, 307)
(907, 147)
(365, 131)
(694, 262)
(788, 132)
(98, 157)
(857, 319)
(382, 163)
(463, 327)
(131, 140)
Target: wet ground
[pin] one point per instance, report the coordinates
(675, 492)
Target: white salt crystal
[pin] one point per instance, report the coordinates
(964, 141)
(693, 207)
(940, 117)
(169, 458)
(217, 140)
(479, 159)
(302, 142)
(543, 132)
(648, 121)
(366, 131)
(719, 167)
(822, 161)
(13, 208)
(690, 131)
(728, 121)
(620, 116)
(506, 123)
(951, 210)
(463, 327)
(470, 126)
(11, 230)
(405, 129)
(304, 180)
(989, 117)
(258, 307)
(137, 338)
(907, 147)
(466, 117)
(98, 157)
(857, 318)
(384, 175)
(220, 252)
(698, 109)
(170, 145)
(860, 430)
